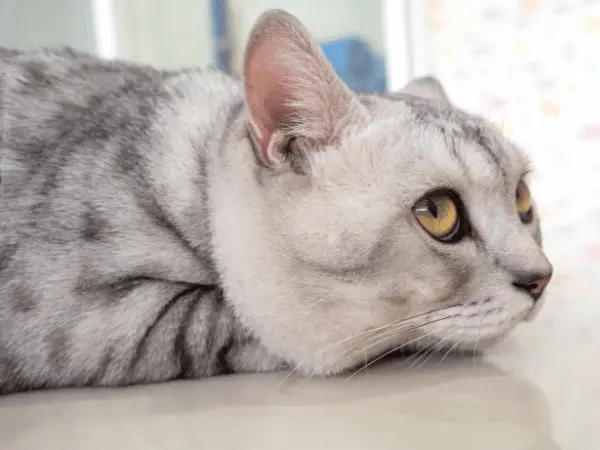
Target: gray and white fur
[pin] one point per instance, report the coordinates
(157, 225)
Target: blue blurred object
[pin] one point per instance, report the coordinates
(218, 10)
(354, 61)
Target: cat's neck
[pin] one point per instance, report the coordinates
(242, 248)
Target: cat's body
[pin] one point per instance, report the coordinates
(107, 273)
(145, 236)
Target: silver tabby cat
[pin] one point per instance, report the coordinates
(159, 225)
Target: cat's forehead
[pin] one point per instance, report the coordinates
(448, 119)
(467, 137)
(412, 145)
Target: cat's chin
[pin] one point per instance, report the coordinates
(423, 352)
(402, 347)
(472, 341)
(464, 334)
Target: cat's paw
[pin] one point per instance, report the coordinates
(252, 356)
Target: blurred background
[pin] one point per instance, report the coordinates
(531, 66)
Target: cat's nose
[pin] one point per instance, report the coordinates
(533, 283)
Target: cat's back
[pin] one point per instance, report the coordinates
(101, 158)
(41, 88)
(51, 97)
(80, 134)
(65, 111)
(103, 209)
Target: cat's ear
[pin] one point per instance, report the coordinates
(291, 90)
(427, 87)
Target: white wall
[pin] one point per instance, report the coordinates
(174, 33)
(33, 23)
(326, 19)
(177, 33)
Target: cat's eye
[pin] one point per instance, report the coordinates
(439, 214)
(523, 201)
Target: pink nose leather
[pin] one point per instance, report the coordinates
(536, 293)
(537, 287)
(534, 285)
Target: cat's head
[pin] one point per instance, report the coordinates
(371, 222)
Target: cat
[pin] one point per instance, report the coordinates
(158, 225)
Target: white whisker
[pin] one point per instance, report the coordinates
(451, 349)
(370, 331)
(433, 348)
(481, 316)
(400, 347)
(424, 351)
(382, 336)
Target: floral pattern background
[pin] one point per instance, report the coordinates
(533, 67)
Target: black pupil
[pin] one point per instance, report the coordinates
(431, 206)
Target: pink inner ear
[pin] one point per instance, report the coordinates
(267, 92)
(290, 86)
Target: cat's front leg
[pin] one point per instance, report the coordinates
(248, 355)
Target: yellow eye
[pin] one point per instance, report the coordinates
(523, 200)
(439, 215)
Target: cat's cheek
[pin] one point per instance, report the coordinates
(417, 271)
(338, 250)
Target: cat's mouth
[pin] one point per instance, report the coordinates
(535, 309)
